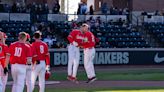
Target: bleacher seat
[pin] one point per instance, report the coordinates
(110, 35)
(12, 28)
(155, 29)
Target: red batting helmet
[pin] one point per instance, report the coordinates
(47, 75)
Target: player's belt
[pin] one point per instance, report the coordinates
(19, 63)
(38, 61)
(74, 45)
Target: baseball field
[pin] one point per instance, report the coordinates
(110, 79)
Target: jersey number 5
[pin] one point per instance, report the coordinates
(18, 51)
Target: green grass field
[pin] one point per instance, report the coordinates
(129, 74)
(118, 74)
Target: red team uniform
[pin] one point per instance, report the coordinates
(3, 51)
(89, 40)
(29, 71)
(75, 38)
(89, 54)
(42, 52)
(41, 61)
(19, 53)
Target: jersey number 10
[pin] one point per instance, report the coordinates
(18, 51)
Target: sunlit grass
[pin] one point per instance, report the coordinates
(160, 90)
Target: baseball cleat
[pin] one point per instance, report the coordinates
(69, 78)
(90, 80)
(73, 79)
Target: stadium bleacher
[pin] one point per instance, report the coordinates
(110, 35)
(155, 29)
(120, 37)
(12, 28)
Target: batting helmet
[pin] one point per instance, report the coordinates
(47, 75)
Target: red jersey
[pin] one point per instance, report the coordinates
(19, 52)
(75, 35)
(32, 50)
(41, 49)
(34, 55)
(3, 51)
(89, 40)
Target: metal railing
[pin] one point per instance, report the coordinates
(56, 17)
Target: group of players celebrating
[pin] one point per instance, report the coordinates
(81, 38)
(27, 61)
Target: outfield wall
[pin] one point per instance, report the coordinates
(145, 56)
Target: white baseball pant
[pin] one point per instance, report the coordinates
(18, 72)
(1, 85)
(3, 79)
(89, 54)
(39, 70)
(29, 78)
(73, 60)
(1, 74)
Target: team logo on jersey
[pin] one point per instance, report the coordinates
(158, 59)
(79, 37)
(85, 39)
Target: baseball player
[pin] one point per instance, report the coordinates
(75, 39)
(20, 54)
(29, 68)
(89, 52)
(41, 62)
(3, 67)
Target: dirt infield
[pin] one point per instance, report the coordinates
(103, 85)
(107, 84)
